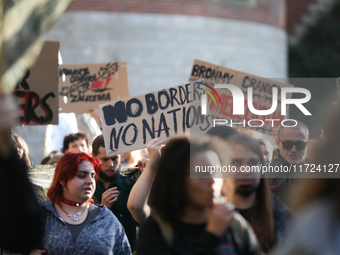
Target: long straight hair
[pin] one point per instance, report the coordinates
(262, 220)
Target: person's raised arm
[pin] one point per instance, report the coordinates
(137, 203)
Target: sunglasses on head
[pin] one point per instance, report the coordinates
(288, 145)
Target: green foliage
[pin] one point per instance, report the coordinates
(318, 56)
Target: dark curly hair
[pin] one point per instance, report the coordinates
(168, 197)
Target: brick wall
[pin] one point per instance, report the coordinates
(271, 12)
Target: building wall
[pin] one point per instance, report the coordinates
(160, 48)
(160, 39)
(271, 12)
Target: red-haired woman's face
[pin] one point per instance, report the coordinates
(82, 186)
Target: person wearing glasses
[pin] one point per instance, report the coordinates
(292, 151)
(317, 202)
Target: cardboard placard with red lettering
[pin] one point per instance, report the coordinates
(86, 86)
(129, 124)
(37, 93)
(261, 97)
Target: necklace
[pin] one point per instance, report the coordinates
(75, 217)
(69, 202)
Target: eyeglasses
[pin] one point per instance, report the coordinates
(299, 145)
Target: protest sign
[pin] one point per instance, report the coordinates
(37, 93)
(129, 124)
(262, 96)
(86, 86)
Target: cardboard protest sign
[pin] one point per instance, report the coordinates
(129, 124)
(37, 93)
(262, 96)
(86, 86)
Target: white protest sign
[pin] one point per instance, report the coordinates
(262, 96)
(129, 124)
(86, 86)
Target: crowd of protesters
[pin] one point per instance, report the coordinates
(150, 205)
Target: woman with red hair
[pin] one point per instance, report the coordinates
(73, 224)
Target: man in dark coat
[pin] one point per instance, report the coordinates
(114, 186)
(292, 145)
